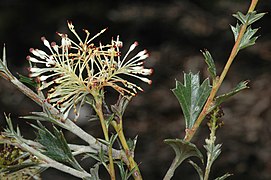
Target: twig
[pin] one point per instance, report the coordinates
(191, 132)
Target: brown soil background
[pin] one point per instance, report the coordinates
(174, 32)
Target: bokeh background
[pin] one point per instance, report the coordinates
(174, 32)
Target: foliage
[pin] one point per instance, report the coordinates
(77, 72)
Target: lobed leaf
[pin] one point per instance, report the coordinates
(192, 96)
(249, 18)
(55, 144)
(183, 150)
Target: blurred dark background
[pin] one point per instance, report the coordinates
(174, 32)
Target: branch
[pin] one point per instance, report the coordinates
(191, 132)
(67, 124)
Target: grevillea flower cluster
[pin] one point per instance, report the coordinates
(75, 69)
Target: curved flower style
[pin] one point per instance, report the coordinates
(74, 70)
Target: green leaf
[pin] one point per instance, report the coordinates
(210, 62)
(183, 150)
(132, 143)
(55, 144)
(122, 170)
(249, 18)
(213, 151)
(27, 80)
(248, 39)
(224, 176)
(221, 98)
(197, 168)
(192, 96)
(236, 30)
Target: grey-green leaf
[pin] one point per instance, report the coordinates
(210, 62)
(95, 172)
(192, 96)
(183, 150)
(197, 168)
(224, 176)
(248, 39)
(220, 99)
(55, 144)
(249, 18)
(236, 30)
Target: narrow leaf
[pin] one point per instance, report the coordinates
(197, 168)
(27, 80)
(224, 176)
(210, 62)
(4, 56)
(220, 99)
(192, 96)
(255, 17)
(121, 170)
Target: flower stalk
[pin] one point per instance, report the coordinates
(132, 165)
(99, 111)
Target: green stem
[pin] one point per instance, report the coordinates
(191, 132)
(132, 164)
(99, 111)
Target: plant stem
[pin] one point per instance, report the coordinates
(217, 83)
(99, 111)
(213, 127)
(68, 124)
(132, 164)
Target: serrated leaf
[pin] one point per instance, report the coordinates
(248, 39)
(183, 150)
(192, 96)
(210, 62)
(197, 168)
(249, 18)
(55, 144)
(236, 30)
(213, 151)
(224, 176)
(221, 98)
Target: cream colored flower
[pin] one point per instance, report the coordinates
(73, 70)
